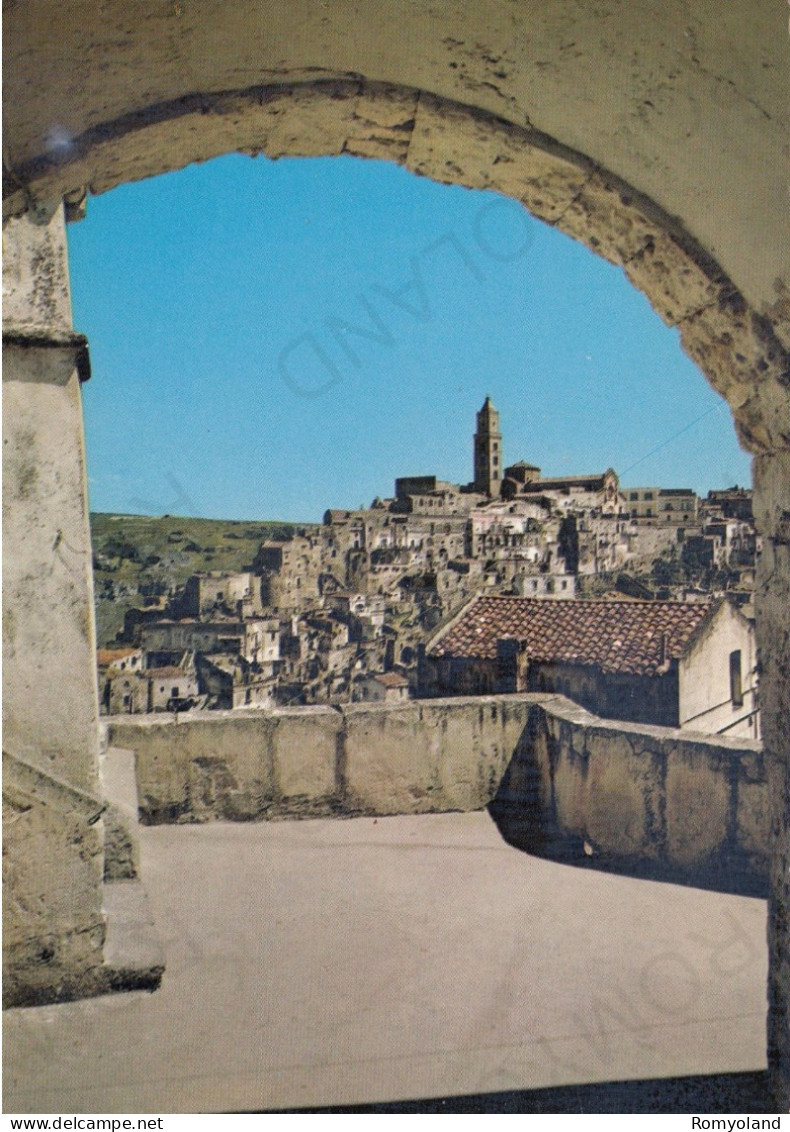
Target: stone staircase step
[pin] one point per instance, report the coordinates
(133, 954)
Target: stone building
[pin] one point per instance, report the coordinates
(677, 506)
(235, 595)
(364, 613)
(119, 688)
(605, 543)
(119, 659)
(668, 663)
(231, 682)
(488, 463)
(290, 570)
(123, 692)
(256, 640)
(517, 476)
(730, 503)
(521, 529)
(159, 687)
(599, 492)
(544, 585)
(172, 687)
(664, 186)
(383, 687)
(192, 663)
(432, 498)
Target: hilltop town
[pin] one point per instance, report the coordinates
(343, 610)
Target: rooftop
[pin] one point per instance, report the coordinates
(591, 482)
(629, 637)
(391, 680)
(111, 656)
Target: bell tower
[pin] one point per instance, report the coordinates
(488, 451)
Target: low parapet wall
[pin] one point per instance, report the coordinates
(419, 757)
(653, 802)
(559, 781)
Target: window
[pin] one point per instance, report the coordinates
(648, 495)
(736, 687)
(634, 496)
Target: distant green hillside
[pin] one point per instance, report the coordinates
(137, 555)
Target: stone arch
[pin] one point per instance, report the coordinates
(739, 350)
(479, 92)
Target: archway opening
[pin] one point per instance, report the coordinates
(343, 373)
(309, 298)
(383, 334)
(693, 106)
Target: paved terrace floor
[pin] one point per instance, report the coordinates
(334, 962)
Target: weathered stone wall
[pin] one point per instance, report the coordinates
(650, 801)
(694, 98)
(235, 765)
(52, 852)
(50, 708)
(365, 758)
(452, 102)
(53, 924)
(741, 352)
(429, 755)
(772, 606)
(562, 783)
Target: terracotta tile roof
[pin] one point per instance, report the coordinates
(631, 637)
(110, 656)
(391, 680)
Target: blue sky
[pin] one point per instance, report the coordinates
(269, 339)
